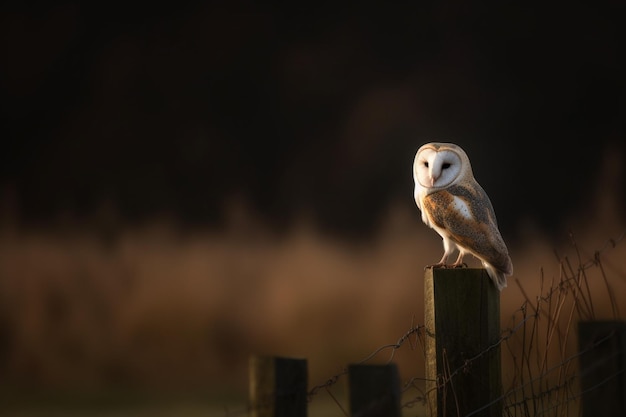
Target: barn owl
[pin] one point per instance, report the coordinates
(457, 207)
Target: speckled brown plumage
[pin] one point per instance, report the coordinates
(457, 207)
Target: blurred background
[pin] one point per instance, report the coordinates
(184, 185)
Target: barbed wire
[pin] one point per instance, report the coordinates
(414, 330)
(534, 389)
(572, 286)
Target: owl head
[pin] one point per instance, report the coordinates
(440, 165)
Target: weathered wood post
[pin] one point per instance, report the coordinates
(278, 387)
(374, 390)
(462, 318)
(603, 367)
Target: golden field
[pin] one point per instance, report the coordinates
(154, 312)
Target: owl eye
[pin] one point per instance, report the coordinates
(445, 166)
(426, 164)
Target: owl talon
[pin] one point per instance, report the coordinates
(434, 266)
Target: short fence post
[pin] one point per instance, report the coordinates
(278, 387)
(462, 319)
(374, 390)
(603, 367)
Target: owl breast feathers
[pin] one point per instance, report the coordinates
(457, 207)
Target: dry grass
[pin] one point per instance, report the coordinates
(160, 310)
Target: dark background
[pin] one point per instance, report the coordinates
(282, 138)
(309, 108)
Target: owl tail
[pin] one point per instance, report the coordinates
(498, 277)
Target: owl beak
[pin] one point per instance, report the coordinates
(432, 180)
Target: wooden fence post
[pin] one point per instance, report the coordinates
(278, 387)
(462, 318)
(603, 367)
(374, 390)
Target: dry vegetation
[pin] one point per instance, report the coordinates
(155, 309)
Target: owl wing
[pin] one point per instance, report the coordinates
(466, 215)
